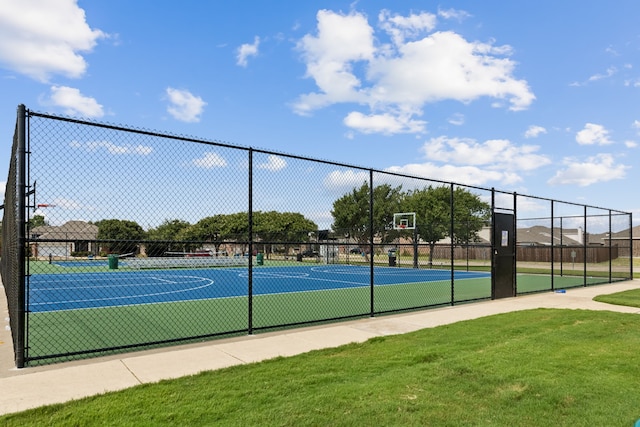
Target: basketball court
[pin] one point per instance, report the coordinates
(74, 291)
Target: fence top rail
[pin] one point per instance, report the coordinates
(568, 216)
(153, 133)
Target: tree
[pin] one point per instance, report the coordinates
(432, 206)
(386, 202)
(122, 236)
(237, 226)
(166, 237)
(470, 215)
(283, 228)
(351, 213)
(37, 221)
(212, 229)
(270, 227)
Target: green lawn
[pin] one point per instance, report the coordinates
(531, 368)
(630, 298)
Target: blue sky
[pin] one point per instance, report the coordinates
(539, 97)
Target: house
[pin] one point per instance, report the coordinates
(64, 240)
(622, 240)
(539, 235)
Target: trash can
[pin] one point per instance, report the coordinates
(299, 257)
(260, 258)
(113, 262)
(392, 258)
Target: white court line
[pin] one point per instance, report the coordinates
(169, 281)
(318, 279)
(94, 285)
(271, 275)
(201, 279)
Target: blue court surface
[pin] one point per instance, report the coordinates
(72, 291)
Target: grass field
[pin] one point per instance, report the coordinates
(532, 368)
(629, 298)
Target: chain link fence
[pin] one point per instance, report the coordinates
(117, 239)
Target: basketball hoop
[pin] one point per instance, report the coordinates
(404, 221)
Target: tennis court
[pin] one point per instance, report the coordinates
(72, 291)
(75, 311)
(99, 312)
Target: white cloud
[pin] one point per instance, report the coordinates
(609, 73)
(470, 175)
(401, 27)
(73, 102)
(3, 186)
(398, 78)
(67, 204)
(446, 66)
(630, 144)
(466, 161)
(40, 38)
(612, 51)
(246, 50)
(498, 154)
(140, 150)
(347, 179)
(184, 106)
(273, 163)
(457, 119)
(385, 123)
(599, 168)
(341, 40)
(593, 134)
(534, 131)
(458, 15)
(210, 160)
(636, 124)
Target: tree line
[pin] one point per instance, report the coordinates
(216, 230)
(441, 212)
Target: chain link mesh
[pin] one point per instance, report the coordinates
(136, 239)
(10, 261)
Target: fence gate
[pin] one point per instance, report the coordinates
(503, 284)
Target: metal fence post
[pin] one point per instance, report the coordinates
(20, 220)
(553, 248)
(371, 246)
(514, 231)
(493, 243)
(452, 251)
(631, 245)
(585, 237)
(610, 250)
(250, 232)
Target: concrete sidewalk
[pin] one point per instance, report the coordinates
(27, 388)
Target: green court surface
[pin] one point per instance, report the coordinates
(65, 334)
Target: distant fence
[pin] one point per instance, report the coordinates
(574, 254)
(104, 225)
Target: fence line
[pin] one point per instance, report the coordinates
(134, 238)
